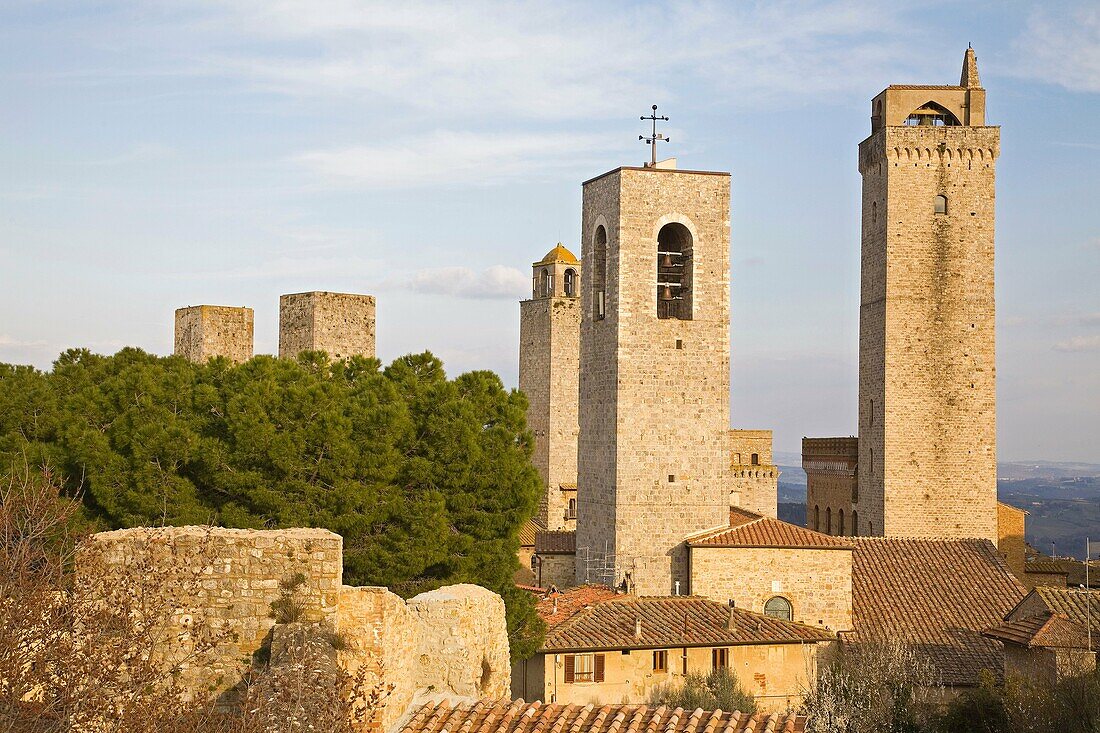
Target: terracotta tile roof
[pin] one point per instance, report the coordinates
(754, 530)
(559, 607)
(535, 717)
(1072, 603)
(555, 542)
(938, 595)
(924, 86)
(567, 487)
(527, 533)
(598, 618)
(1046, 630)
(1041, 566)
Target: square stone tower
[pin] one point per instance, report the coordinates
(340, 324)
(549, 370)
(754, 480)
(927, 402)
(206, 331)
(654, 386)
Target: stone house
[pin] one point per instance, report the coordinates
(1045, 647)
(603, 646)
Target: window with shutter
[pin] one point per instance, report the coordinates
(599, 668)
(570, 666)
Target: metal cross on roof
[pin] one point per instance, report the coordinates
(654, 136)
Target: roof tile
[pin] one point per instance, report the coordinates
(555, 542)
(748, 529)
(1045, 630)
(535, 717)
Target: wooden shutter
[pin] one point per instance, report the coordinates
(570, 666)
(598, 676)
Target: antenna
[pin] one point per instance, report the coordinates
(653, 137)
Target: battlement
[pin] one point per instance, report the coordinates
(930, 145)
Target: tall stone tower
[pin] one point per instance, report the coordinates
(654, 385)
(549, 368)
(205, 331)
(927, 405)
(340, 324)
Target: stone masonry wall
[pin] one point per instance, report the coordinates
(206, 331)
(452, 641)
(831, 485)
(753, 486)
(927, 412)
(817, 582)
(549, 372)
(340, 324)
(655, 392)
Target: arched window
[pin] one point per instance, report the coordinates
(599, 273)
(840, 523)
(572, 511)
(931, 114)
(737, 459)
(828, 520)
(941, 204)
(817, 519)
(855, 523)
(755, 458)
(778, 607)
(674, 253)
(570, 283)
(546, 283)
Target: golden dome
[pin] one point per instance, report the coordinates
(559, 254)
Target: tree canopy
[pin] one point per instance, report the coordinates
(428, 479)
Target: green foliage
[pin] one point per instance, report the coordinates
(1072, 705)
(428, 479)
(719, 689)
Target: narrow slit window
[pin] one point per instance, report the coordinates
(599, 274)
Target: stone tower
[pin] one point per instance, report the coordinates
(549, 367)
(927, 405)
(205, 331)
(340, 324)
(654, 385)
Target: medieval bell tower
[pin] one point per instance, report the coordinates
(654, 366)
(927, 403)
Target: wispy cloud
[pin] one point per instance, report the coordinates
(1062, 46)
(1079, 343)
(9, 341)
(496, 282)
(449, 158)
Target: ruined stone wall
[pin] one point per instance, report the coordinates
(927, 412)
(549, 372)
(340, 324)
(205, 331)
(754, 477)
(452, 641)
(817, 582)
(655, 392)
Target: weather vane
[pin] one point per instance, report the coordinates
(653, 137)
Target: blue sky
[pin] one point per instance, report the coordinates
(158, 154)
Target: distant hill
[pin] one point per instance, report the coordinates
(1062, 499)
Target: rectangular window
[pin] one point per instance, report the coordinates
(584, 668)
(660, 660)
(720, 658)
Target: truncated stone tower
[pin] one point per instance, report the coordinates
(549, 369)
(654, 384)
(205, 331)
(340, 324)
(927, 410)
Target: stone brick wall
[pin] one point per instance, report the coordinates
(754, 482)
(1010, 538)
(549, 372)
(205, 331)
(817, 582)
(831, 485)
(557, 570)
(653, 430)
(927, 411)
(340, 324)
(451, 641)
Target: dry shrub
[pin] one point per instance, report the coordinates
(82, 650)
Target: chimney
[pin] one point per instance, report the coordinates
(731, 622)
(638, 628)
(677, 592)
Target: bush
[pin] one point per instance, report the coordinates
(719, 690)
